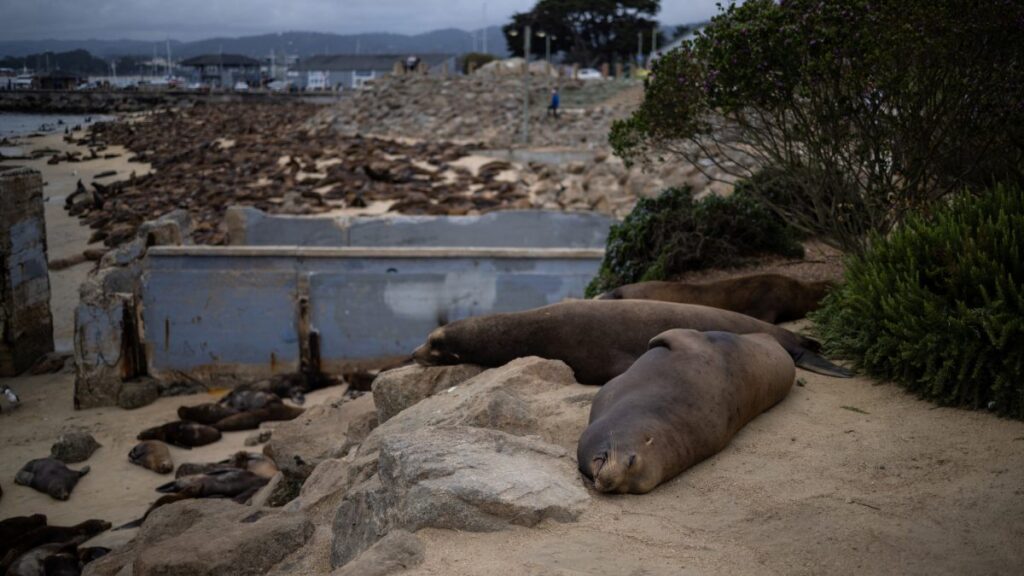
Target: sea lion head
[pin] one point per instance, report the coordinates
(620, 459)
(436, 351)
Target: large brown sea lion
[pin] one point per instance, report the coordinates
(598, 339)
(680, 403)
(208, 414)
(50, 476)
(152, 455)
(769, 297)
(250, 420)
(182, 434)
(16, 526)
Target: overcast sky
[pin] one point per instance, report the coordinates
(197, 19)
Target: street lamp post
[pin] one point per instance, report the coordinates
(526, 81)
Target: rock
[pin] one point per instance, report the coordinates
(263, 496)
(210, 537)
(124, 254)
(138, 393)
(321, 432)
(258, 437)
(458, 478)
(397, 551)
(75, 446)
(396, 390)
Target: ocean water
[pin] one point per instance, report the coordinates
(17, 124)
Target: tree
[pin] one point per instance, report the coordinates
(855, 113)
(587, 32)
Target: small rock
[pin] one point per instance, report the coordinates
(74, 446)
(138, 393)
(397, 551)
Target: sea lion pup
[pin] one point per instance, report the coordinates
(182, 434)
(153, 455)
(769, 297)
(50, 476)
(598, 339)
(208, 414)
(250, 420)
(680, 403)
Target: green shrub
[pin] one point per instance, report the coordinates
(475, 60)
(939, 305)
(673, 233)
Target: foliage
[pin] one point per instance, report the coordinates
(868, 109)
(588, 32)
(939, 305)
(475, 60)
(75, 61)
(673, 233)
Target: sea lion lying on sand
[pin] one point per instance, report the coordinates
(598, 339)
(226, 419)
(209, 413)
(17, 526)
(769, 297)
(50, 476)
(680, 403)
(153, 455)
(43, 535)
(182, 434)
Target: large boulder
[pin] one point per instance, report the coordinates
(397, 551)
(396, 390)
(460, 478)
(321, 432)
(211, 537)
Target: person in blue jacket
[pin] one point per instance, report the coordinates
(553, 108)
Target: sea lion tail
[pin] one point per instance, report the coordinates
(810, 361)
(133, 524)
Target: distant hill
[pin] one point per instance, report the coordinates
(303, 44)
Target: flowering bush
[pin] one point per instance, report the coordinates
(866, 109)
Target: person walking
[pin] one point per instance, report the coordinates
(553, 107)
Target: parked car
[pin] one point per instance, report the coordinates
(590, 74)
(241, 87)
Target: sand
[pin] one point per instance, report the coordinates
(844, 476)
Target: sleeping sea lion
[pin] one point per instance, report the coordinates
(34, 561)
(598, 339)
(15, 527)
(769, 297)
(50, 476)
(208, 414)
(680, 403)
(250, 420)
(228, 483)
(182, 434)
(243, 400)
(252, 461)
(153, 455)
(51, 535)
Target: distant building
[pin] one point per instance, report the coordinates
(348, 71)
(224, 70)
(7, 76)
(57, 80)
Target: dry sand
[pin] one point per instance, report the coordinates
(845, 476)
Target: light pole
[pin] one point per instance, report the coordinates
(526, 81)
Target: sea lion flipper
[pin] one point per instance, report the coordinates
(24, 478)
(83, 471)
(810, 361)
(168, 488)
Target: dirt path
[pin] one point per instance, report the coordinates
(843, 477)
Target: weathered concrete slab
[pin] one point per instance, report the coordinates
(26, 324)
(245, 312)
(504, 229)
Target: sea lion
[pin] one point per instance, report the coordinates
(182, 434)
(228, 483)
(678, 404)
(252, 461)
(250, 420)
(598, 339)
(769, 297)
(244, 400)
(208, 414)
(153, 455)
(15, 527)
(51, 535)
(50, 476)
(33, 562)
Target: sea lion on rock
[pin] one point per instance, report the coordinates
(598, 339)
(769, 297)
(153, 455)
(228, 483)
(252, 461)
(208, 414)
(182, 434)
(50, 476)
(680, 403)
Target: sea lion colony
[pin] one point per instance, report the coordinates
(679, 381)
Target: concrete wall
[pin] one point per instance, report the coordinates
(26, 325)
(504, 229)
(219, 315)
